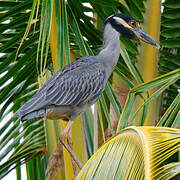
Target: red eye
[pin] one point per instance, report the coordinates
(132, 24)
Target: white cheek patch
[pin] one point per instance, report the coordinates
(124, 23)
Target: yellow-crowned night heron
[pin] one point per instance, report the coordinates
(77, 86)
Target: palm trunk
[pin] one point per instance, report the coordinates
(149, 55)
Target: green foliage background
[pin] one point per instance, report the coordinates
(35, 34)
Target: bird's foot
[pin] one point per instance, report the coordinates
(67, 142)
(70, 141)
(62, 138)
(68, 146)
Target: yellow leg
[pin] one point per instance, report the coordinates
(63, 140)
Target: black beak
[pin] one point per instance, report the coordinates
(145, 37)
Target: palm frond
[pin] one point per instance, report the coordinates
(35, 33)
(163, 81)
(18, 43)
(134, 153)
(170, 52)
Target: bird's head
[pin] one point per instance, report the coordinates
(128, 27)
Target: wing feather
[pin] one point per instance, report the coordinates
(76, 84)
(81, 86)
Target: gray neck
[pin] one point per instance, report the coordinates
(109, 55)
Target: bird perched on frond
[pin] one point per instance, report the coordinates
(77, 86)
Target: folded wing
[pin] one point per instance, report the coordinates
(70, 86)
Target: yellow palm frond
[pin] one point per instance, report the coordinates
(134, 153)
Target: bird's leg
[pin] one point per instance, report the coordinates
(63, 140)
(69, 138)
(64, 133)
(70, 142)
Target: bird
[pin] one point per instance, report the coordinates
(74, 88)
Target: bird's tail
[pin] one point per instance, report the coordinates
(35, 114)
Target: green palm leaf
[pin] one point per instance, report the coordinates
(170, 48)
(29, 47)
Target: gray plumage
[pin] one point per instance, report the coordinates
(77, 86)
